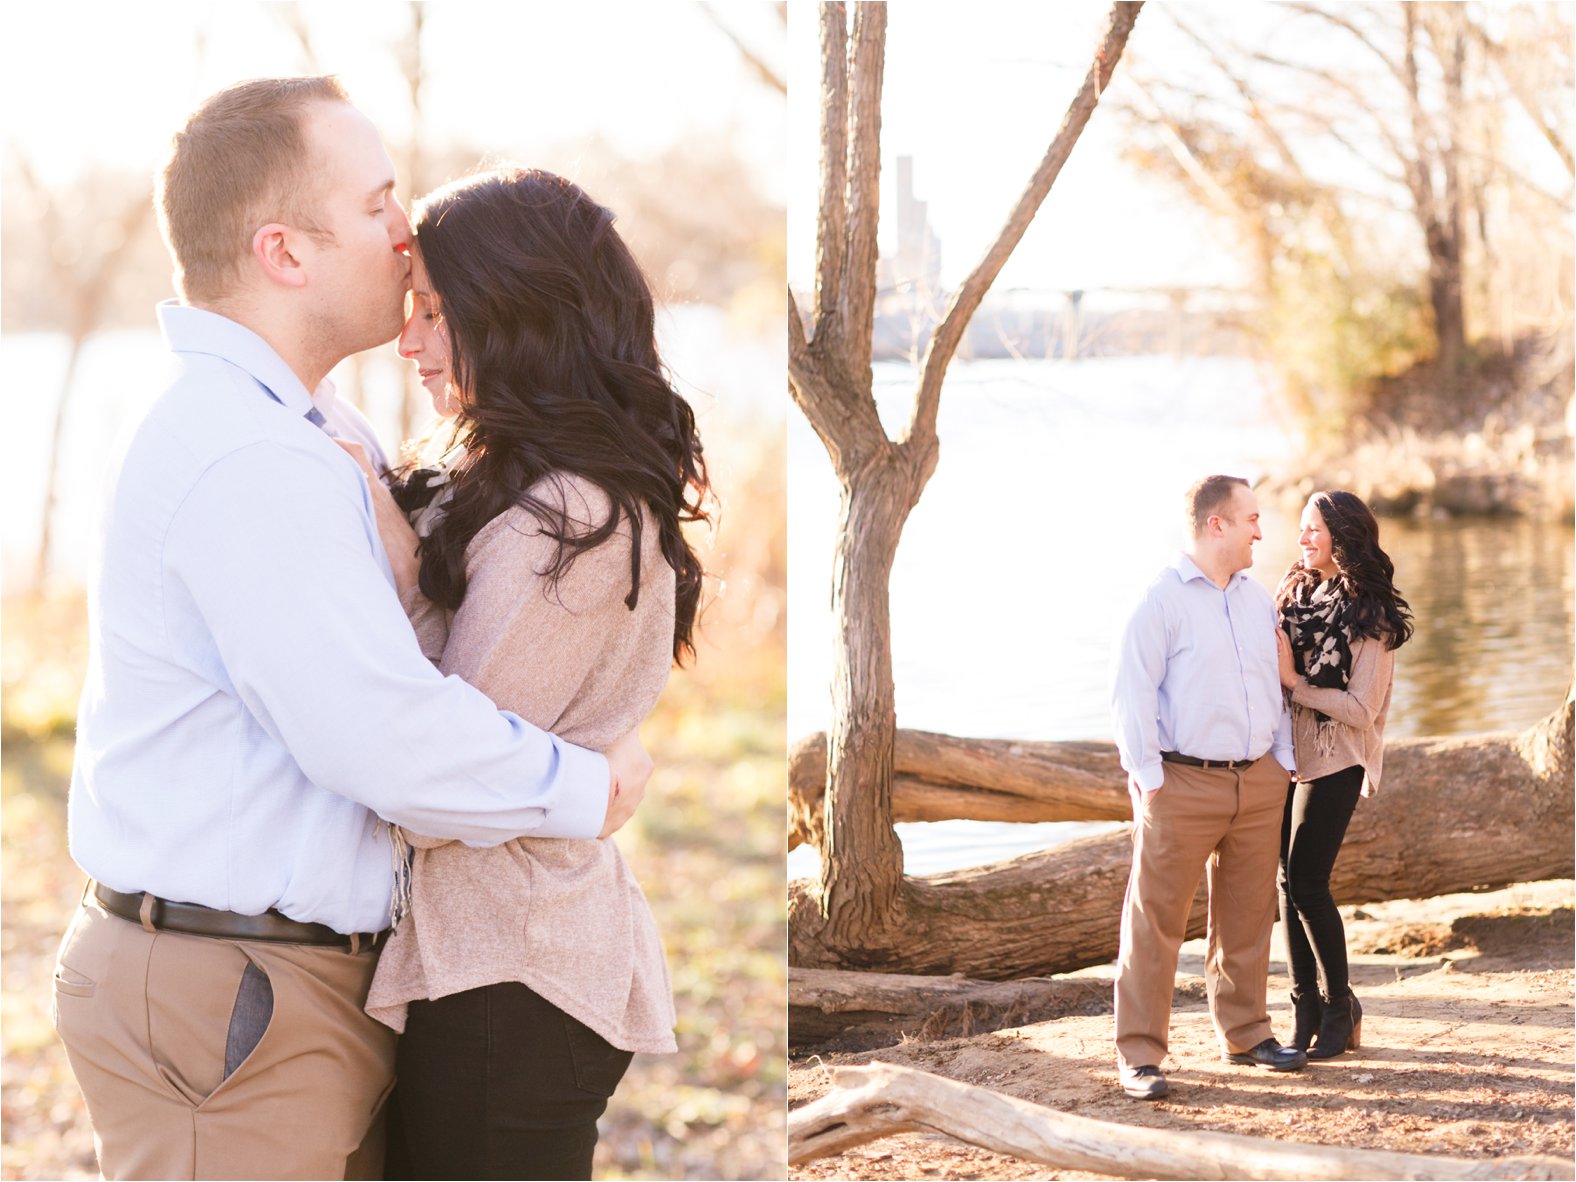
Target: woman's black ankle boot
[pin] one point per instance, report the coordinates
(1341, 1028)
(1309, 1011)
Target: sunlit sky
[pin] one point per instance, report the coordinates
(112, 81)
(977, 100)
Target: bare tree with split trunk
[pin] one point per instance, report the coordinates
(863, 907)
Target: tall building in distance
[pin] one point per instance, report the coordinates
(914, 271)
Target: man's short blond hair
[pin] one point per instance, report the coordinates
(1209, 496)
(240, 162)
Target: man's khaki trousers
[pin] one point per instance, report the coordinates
(1227, 822)
(145, 1017)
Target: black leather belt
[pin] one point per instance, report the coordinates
(164, 916)
(1230, 764)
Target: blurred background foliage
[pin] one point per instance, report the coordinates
(1397, 179)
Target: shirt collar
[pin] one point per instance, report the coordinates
(195, 330)
(325, 397)
(1188, 570)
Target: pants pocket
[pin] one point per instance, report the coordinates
(599, 1065)
(249, 1019)
(190, 997)
(72, 983)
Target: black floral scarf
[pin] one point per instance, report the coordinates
(1318, 621)
(424, 493)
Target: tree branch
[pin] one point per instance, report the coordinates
(831, 223)
(763, 70)
(864, 186)
(921, 433)
(1497, 53)
(1361, 36)
(1187, 160)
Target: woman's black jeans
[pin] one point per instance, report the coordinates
(1314, 825)
(498, 1083)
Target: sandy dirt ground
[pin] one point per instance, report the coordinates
(1467, 1051)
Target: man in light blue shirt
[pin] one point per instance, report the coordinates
(1205, 737)
(257, 713)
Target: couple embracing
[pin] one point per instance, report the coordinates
(1239, 719)
(349, 752)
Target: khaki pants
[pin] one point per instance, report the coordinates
(1229, 822)
(145, 1017)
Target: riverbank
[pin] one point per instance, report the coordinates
(1467, 1051)
(1493, 441)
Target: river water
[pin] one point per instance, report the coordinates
(1053, 505)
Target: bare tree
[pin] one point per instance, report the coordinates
(1395, 216)
(84, 280)
(769, 74)
(861, 894)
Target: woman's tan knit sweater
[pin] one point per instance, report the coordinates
(564, 917)
(1355, 733)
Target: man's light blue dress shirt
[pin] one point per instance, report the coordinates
(1196, 673)
(255, 698)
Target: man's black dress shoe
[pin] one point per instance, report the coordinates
(1271, 1054)
(1143, 1083)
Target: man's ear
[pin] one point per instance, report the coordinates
(274, 247)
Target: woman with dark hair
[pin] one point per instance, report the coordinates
(554, 577)
(1341, 622)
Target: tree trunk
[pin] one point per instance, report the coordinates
(1440, 220)
(843, 1011)
(1453, 815)
(862, 866)
(52, 472)
(859, 907)
(884, 1099)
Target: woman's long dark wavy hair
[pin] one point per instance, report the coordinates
(1366, 576)
(551, 340)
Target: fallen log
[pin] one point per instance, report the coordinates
(837, 1010)
(945, 778)
(884, 1099)
(1456, 814)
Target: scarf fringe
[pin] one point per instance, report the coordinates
(400, 852)
(1324, 735)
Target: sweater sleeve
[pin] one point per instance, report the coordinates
(429, 621)
(1358, 705)
(521, 638)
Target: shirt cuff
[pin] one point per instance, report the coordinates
(584, 809)
(1151, 776)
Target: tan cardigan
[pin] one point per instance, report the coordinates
(1359, 712)
(564, 917)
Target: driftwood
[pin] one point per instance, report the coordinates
(944, 778)
(1453, 815)
(884, 1099)
(846, 1011)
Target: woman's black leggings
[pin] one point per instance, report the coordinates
(498, 1083)
(1311, 833)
